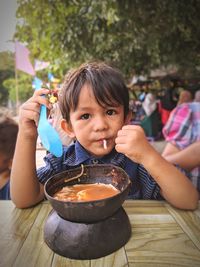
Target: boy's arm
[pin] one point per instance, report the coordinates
(25, 187)
(176, 188)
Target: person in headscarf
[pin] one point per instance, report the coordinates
(151, 121)
(150, 104)
(147, 107)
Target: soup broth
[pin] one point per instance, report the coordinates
(86, 192)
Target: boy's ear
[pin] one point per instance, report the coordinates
(67, 128)
(128, 118)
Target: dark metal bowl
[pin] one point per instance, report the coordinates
(89, 211)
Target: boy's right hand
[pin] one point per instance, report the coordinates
(30, 111)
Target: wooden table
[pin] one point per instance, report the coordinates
(161, 236)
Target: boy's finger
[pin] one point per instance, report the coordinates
(40, 100)
(40, 92)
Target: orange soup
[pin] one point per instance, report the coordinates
(86, 192)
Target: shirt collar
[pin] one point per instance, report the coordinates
(81, 156)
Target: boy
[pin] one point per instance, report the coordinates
(8, 137)
(94, 103)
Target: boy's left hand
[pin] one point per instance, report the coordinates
(132, 142)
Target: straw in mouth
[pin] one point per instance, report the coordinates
(105, 144)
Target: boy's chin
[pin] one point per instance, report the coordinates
(100, 152)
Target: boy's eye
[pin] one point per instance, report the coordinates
(85, 116)
(111, 112)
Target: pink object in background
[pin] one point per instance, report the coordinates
(22, 60)
(40, 65)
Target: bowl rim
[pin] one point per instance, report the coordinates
(48, 196)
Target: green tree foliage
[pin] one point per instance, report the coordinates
(7, 61)
(24, 84)
(8, 82)
(6, 72)
(139, 34)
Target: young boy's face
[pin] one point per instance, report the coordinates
(91, 123)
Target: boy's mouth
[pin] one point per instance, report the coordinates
(104, 143)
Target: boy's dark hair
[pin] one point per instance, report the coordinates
(8, 136)
(106, 82)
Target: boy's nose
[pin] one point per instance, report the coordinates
(100, 123)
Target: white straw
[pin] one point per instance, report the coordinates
(105, 144)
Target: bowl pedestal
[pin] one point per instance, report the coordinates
(84, 241)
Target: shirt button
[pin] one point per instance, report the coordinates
(95, 161)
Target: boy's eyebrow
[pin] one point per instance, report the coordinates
(89, 108)
(83, 108)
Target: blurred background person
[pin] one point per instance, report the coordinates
(8, 137)
(189, 160)
(197, 96)
(148, 117)
(183, 129)
(168, 101)
(185, 96)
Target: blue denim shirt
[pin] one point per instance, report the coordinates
(143, 186)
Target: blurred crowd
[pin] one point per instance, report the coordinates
(172, 115)
(152, 108)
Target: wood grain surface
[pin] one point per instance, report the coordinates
(161, 236)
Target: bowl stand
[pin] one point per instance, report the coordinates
(84, 241)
